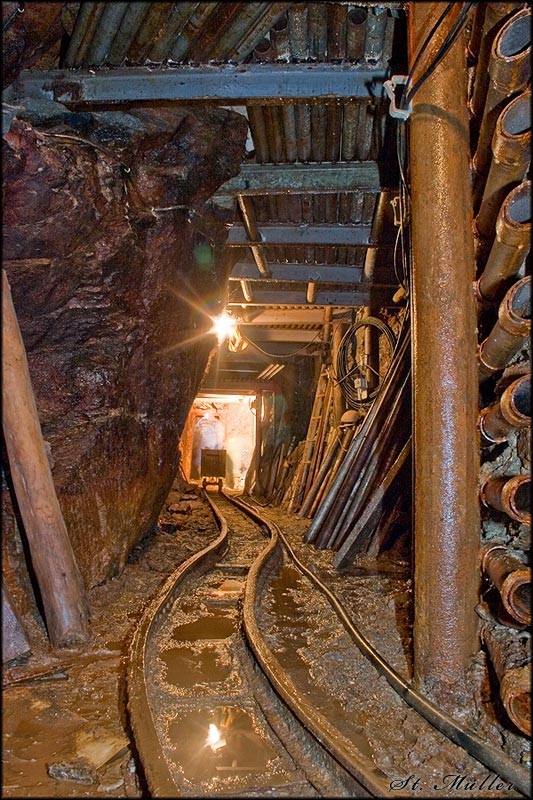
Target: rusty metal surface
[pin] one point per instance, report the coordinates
(512, 665)
(511, 495)
(511, 245)
(446, 460)
(509, 71)
(511, 152)
(513, 410)
(509, 332)
(510, 576)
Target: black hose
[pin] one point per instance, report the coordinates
(346, 374)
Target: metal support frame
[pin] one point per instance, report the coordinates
(381, 295)
(445, 385)
(253, 237)
(319, 234)
(344, 176)
(250, 83)
(298, 273)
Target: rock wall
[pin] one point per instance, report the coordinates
(111, 297)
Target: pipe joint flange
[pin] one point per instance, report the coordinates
(511, 142)
(513, 224)
(509, 592)
(509, 65)
(486, 550)
(515, 308)
(481, 425)
(514, 403)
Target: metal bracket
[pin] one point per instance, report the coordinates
(390, 87)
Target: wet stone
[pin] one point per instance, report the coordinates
(77, 772)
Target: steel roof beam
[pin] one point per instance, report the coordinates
(319, 234)
(248, 83)
(298, 273)
(348, 176)
(380, 295)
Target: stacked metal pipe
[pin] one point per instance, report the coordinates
(502, 203)
(375, 458)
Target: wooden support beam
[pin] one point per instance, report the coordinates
(53, 560)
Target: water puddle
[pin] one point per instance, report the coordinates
(219, 743)
(215, 626)
(186, 668)
(228, 589)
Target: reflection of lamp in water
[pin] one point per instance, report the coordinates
(215, 740)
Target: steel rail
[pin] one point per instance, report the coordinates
(156, 769)
(483, 752)
(327, 735)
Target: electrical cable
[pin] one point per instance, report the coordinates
(347, 354)
(10, 20)
(444, 48)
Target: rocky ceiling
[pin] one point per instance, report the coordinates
(312, 233)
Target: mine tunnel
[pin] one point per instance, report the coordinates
(266, 306)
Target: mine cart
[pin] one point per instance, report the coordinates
(213, 467)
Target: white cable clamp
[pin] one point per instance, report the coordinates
(390, 86)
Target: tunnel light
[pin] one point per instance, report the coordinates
(215, 739)
(223, 326)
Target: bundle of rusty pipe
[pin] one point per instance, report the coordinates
(509, 71)
(511, 152)
(512, 664)
(377, 444)
(511, 245)
(512, 579)
(510, 331)
(510, 412)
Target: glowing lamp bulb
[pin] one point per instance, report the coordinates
(214, 737)
(223, 326)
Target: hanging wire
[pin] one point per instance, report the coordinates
(10, 20)
(347, 367)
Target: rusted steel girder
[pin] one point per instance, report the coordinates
(446, 453)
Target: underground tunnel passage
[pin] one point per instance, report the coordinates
(266, 307)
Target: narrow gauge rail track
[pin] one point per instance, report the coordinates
(197, 698)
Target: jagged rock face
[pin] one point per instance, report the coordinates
(32, 37)
(98, 282)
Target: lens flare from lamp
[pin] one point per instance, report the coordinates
(215, 739)
(223, 326)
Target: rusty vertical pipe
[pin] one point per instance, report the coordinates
(445, 395)
(53, 559)
(510, 495)
(513, 410)
(509, 332)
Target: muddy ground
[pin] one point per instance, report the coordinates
(66, 734)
